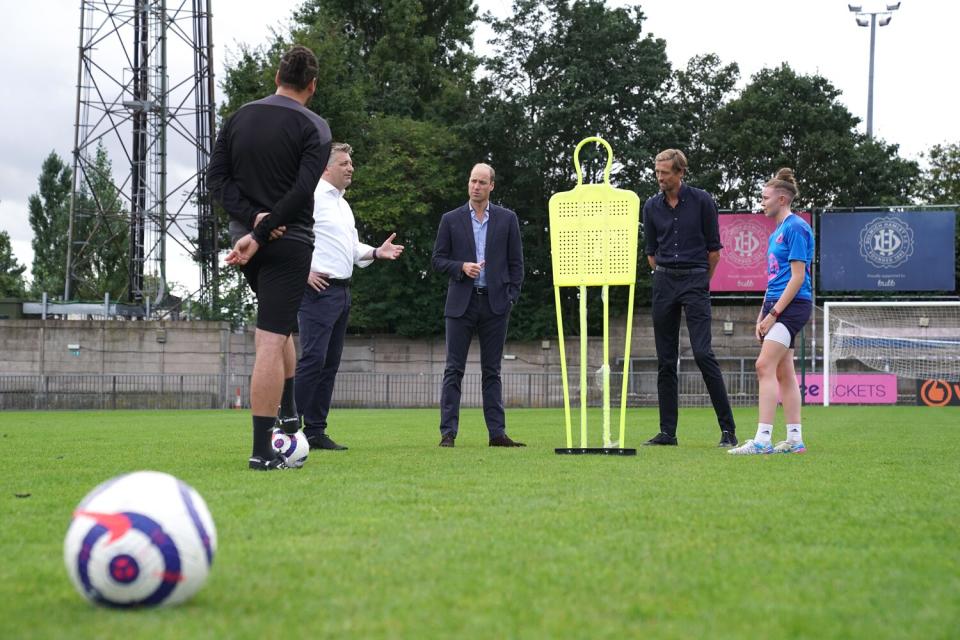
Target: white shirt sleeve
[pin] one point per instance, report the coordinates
(361, 249)
(337, 247)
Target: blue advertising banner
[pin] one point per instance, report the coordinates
(884, 251)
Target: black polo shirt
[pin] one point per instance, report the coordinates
(680, 237)
(269, 156)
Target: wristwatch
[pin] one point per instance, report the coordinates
(774, 312)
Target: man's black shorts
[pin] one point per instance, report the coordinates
(277, 274)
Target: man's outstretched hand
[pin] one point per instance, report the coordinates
(388, 250)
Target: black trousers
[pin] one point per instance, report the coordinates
(491, 329)
(323, 324)
(690, 293)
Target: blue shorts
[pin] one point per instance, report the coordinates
(793, 318)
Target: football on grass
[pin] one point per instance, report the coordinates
(292, 446)
(143, 539)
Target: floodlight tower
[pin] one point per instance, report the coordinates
(885, 17)
(145, 95)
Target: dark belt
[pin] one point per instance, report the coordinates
(336, 282)
(680, 272)
(480, 291)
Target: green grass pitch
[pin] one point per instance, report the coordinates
(398, 538)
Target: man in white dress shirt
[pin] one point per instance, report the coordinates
(325, 307)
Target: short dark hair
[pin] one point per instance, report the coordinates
(298, 67)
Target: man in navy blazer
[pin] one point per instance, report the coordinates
(478, 247)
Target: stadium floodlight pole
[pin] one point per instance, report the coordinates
(862, 21)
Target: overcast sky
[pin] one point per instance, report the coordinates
(916, 92)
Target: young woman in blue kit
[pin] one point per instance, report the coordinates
(786, 308)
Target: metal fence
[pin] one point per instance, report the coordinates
(369, 390)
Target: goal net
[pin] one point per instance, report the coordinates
(910, 339)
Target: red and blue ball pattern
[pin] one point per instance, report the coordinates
(140, 540)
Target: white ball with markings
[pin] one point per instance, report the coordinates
(143, 539)
(292, 446)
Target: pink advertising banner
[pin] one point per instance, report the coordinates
(852, 388)
(743, 260)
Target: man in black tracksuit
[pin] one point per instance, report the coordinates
(265, 167)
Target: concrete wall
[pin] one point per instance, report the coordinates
(49, 347)
(43, 347)
(35, 354)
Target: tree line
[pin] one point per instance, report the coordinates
(401, 81)
(105, 271)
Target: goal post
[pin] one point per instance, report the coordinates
(912, 339)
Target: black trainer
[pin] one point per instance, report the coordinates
(323, 441)
(267, 464)
(662, 439)
(728, 439)
(287, 425)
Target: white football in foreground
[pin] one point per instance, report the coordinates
(293, 447)
(143, 539)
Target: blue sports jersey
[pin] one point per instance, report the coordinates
(791, 240)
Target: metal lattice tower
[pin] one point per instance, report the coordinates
(145, 95)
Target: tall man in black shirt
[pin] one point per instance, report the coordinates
(682, 232)
(266, 164)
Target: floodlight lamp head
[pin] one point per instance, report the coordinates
(863, 22)
(855, 8)
(885, 21)
(893, 7)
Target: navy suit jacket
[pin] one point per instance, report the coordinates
(503, 261)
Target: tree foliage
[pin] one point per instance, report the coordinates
(235, 302)
(49, 216)
(877, 176)
(414, 54)
(399, 83)
(941, 182)
(785, 119)
(698, 94)
(562, 72)
(102, 258)
(100, 231)
(406, 178)
(11, 271)
(941, 185)
(782, 119)
(395, 82)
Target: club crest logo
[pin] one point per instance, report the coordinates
(743, 243)
(773, 267)
(886, 242)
